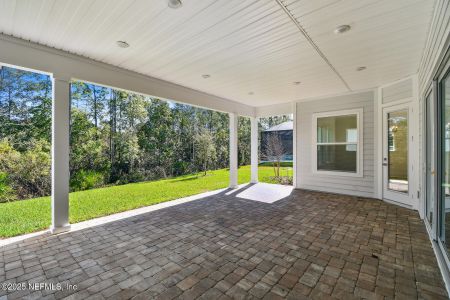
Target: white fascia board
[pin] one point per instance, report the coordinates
(20, 53)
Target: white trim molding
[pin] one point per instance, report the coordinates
(413, 157)
(378, 146)
(359, 142)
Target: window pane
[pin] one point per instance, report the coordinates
(339, 129)
(337, 158)
(398, 151)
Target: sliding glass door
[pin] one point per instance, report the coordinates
(430, 159)
(444, 205)
(437, 161)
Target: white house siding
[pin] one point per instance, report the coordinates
(437, 42)
(398, 91)
(434, 50)
(306, 179)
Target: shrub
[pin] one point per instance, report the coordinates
(284, 180)
(204, 150)
(181, 168)
(29, 171)
(86, 180)
(6, 192)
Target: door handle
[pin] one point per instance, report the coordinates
(385, 164)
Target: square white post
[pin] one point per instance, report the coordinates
(254, 150)
(233, 150)
(60, 154)
(294, 145)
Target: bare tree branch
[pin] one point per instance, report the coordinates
(274, 151)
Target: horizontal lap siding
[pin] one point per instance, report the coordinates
(434, 48)
(398, 91)
(358, 186)
(432, 55)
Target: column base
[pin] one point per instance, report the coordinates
(57, 230)
(254, 181)
(233, 187)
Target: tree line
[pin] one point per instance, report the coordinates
(116, 137)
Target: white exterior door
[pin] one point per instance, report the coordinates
(397, 154)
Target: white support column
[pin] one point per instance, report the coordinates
(254, 150)
(233, 150)
(294, 145)
(60, 154)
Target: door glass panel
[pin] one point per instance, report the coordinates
(445, 144)
(398, 151)
(430, 172)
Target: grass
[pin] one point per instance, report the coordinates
(27, 216)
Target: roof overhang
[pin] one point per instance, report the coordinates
(19, 53)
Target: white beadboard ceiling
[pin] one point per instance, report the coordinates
(247, 46)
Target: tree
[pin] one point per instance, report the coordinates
(25, 121)
(156, 137)
(6, 192)
(116, 136)
(25, 106)
(219, 127)
(27, 172)
(92, 99)
(184, 117)
(41, 110)
(205, 150)
(274, 151)
(87, 151)
(244, 145)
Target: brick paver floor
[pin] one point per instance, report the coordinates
(309, 245)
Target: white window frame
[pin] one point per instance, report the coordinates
(359, 154)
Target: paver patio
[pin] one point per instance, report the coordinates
(308, 245)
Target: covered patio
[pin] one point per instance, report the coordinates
(366, 85)
(306, 245)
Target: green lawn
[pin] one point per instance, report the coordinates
(26, 216)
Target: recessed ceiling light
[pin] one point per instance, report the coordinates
(206, 76)
(361, 68)
(297, 82)
(341, 29)
(174, 3)
(251, 93)
(122, 44)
